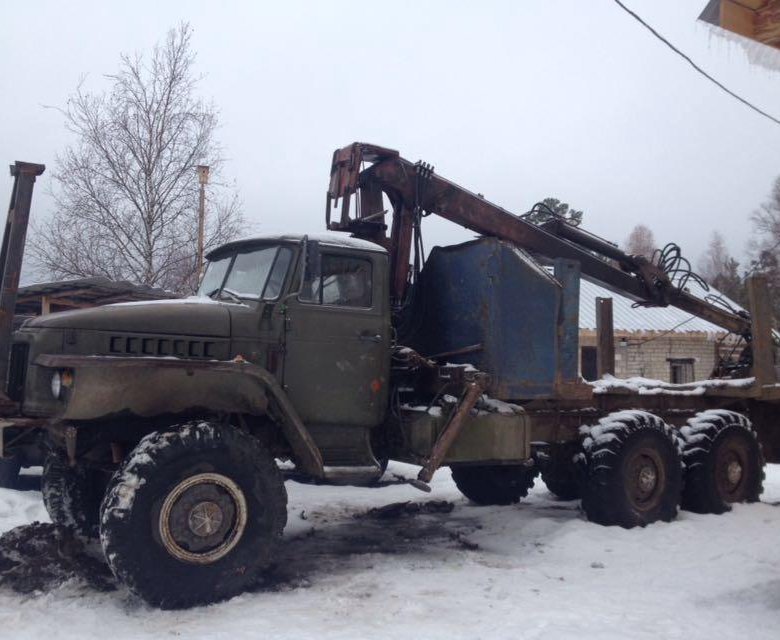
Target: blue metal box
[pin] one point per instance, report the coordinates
(501, 306)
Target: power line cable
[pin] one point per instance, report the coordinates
(694, 65)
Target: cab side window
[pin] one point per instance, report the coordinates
(343, 281)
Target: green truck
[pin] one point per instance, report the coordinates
(162, 422)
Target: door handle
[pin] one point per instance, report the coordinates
(369, 337)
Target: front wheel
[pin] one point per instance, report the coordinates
(193, 515)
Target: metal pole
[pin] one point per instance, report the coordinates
(762, 343)
(203, 178)
(12, 253)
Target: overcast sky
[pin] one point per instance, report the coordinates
(517, 100)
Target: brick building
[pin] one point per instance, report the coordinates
(663, 343)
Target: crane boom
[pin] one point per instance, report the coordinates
(413, 189)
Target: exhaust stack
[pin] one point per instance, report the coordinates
(24, 174)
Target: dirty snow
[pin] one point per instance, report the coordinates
(534, 570)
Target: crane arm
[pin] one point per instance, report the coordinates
(414, 188)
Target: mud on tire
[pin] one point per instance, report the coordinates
(193, 515)
(723, 462)
(72, 495)
(494, 484)
(560, 473)
(632, 470)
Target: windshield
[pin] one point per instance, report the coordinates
(253, 275)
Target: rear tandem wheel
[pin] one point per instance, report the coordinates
(723, 462)
(632, 470)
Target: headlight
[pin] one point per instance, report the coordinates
(56, 385)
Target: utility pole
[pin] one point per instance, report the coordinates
(203, 178)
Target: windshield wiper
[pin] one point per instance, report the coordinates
(230, 294)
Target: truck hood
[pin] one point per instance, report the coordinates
(188, 316)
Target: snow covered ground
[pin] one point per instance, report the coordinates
(539, 571)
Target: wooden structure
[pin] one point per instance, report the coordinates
(757, 20)
(50, 297)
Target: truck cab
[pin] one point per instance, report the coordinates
(310, 311)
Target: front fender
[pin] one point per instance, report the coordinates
(104, 387)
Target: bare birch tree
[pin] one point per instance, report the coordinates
(765, 243)
(720, 270)
(640, 242)
(126, 191)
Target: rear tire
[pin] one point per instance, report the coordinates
(494, 484)
(560, 474)
(9, 472)
(723, 462)
(72, 495)
(633, 473)
(192, 516)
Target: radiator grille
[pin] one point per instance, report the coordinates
(153, 346)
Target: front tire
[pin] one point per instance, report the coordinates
(633, 473)
(494, 484)
(193, 515)
(723, 462)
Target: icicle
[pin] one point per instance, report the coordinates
(758, 54)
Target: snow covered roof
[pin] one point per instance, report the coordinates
(631, 319)
(331, 239)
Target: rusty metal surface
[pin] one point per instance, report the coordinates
(12, 253)
(397, 177)
(567, 272)
(474, 391)
(105, 386)
(485, 293)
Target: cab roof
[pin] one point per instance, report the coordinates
(325, 239)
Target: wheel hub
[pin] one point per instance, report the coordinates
(730, 466)
(205, 519)
(646, 479)
(202, 518)
(734, 472)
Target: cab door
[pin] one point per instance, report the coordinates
(337, 340)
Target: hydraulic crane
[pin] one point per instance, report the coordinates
(369, 171)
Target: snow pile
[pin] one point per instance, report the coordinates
(494, 405)
(648, 386)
